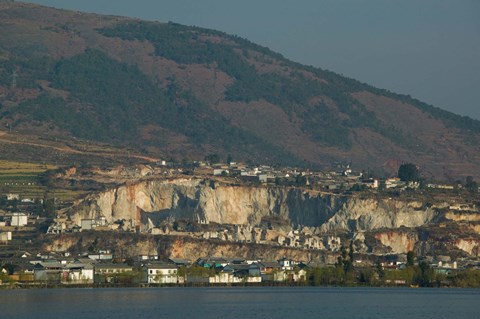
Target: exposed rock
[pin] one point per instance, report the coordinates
(463, 216)
(399, 242)
(194, 199)
(471, 246)
(277, 216)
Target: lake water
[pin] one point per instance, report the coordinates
(253, 303)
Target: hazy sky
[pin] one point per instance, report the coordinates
(429, 49)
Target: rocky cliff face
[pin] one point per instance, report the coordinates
(132, 245)
(280, 217)
(206, 201)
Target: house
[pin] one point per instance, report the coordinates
(286, 264)
(180, 262)
(86, 260)
(78, 273)
(223, 278)
(269, 270)
(238, 270)
(296, 275)
(148, 257)
(283, 270)
(235, 273)
(236, 260)
(108, 268)
(24, 272)
(26, 254)
(441, 186)
(162, 163)
(5, 236)
(87, 224)
(101, 255)
(394, 183)
(19, 219)
(220, 171)
(109, 273)
(48, 271)
(445, 268)
(97, 224)
(213, 262)
(18, 270)
(162, 273)
(13, 196)
(263, 178)
(371, 183)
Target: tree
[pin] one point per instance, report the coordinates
(10, 268)
(471, 185)
(212, 158)
(345, 260)
(301, 180)
(424, 274)
(410, 258)
(408, 172)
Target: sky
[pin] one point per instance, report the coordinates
(429, 49)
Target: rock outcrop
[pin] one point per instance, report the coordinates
(206, 201)
(210, 209)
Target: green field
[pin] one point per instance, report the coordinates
(23, 179)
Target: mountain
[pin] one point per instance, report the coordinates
(168, 90)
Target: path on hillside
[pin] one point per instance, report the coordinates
(66, 149)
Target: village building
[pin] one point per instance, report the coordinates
(19, 219)
(48, 271)
(109, 272)
(180, 262)
(78, 273)
(5, 236)
(162, 273)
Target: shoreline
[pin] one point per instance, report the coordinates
(17, 286)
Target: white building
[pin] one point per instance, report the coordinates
(162, 274)
(394, 183)
(230, 278)
(5, 236)
(89, 224)
(78, 273)
(101, 255)
(286, 264)
(19, 219)
(13, 196)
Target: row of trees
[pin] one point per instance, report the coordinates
(421, 274)
(409, 172)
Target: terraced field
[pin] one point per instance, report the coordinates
(23, 179)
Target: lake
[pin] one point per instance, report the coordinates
(249, 302)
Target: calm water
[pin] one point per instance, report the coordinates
(253, 303)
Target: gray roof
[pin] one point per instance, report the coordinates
(161, 266)
(237, 267)
(87, 261)
(112, 266)
(180, 261)
(269, 264)
(49, 265)
(237, 260)
(78, 265)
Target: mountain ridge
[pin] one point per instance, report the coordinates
(170, 90)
